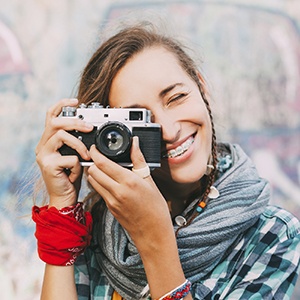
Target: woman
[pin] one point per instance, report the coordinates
(198, 227)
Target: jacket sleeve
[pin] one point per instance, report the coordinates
(82, 279)
(91, 282)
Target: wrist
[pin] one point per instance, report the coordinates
(61, 202)
(162, 265)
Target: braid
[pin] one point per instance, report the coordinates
(211, 177)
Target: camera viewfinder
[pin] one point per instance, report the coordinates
(135, 115)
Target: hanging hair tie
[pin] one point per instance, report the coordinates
(209, 167)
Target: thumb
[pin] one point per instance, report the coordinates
(136, 154)
(140, 167)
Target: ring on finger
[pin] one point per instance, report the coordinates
(142, 172)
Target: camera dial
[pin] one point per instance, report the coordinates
(68, 111)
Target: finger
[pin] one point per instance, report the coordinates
(140, 166)
(113, 201)
(136, 154)
(53, 123)
(54, 165)
(63, 138)
(101, 177)
(70, 124)
(72, 164)
(65, 124)
(97, 184)
(107, 166)
(55, 110)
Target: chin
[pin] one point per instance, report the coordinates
(188, 173)
(191, 177)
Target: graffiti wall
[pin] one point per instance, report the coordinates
(249, 52)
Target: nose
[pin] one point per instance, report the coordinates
(170, 127)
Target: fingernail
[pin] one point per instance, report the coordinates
(136, 140)
(74, 100)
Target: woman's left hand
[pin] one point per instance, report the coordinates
(143, 212)
(135, 202)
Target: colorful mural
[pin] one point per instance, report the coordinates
(250, 53)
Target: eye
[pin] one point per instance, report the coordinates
(177, 98)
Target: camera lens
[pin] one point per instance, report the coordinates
(113, 140)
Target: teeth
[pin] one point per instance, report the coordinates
(181, 149)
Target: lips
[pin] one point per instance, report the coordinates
(181, 149)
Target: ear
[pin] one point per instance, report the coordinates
(203, 85)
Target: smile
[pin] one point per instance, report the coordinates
(180, 149)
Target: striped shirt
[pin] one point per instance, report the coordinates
(264, 264)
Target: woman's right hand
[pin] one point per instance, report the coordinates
(62, 186)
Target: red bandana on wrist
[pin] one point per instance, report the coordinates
(62, 235)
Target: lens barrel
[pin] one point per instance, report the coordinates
(113, 139)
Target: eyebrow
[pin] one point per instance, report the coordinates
(169, 89)
(134, 106)
(161, 94)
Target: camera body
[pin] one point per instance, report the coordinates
(113, 132)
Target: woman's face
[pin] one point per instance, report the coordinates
(154, 79)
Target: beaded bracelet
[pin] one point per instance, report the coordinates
(179, 292)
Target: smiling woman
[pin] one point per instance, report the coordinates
(154, 79)
(198, 227)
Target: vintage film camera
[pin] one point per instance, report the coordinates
(113, 131)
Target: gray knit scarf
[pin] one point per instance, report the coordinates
(202, 244)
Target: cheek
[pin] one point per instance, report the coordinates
(195, 168)
(197, 109)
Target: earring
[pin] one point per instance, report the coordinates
(209, 166)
